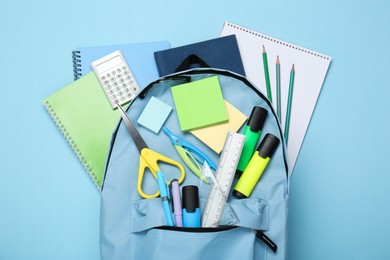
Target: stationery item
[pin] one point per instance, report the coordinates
(256, 166)
(80, 109)
(190, 154)
(252, 133)
(116, 78)
(165, 197)
(154, 115)
(191, 211)
(224, 175)
(81, 112)
(139, 56)
(214, 136)
(199, 103)
(222, 53)
(176, 203)
(148, 158)
(312, 66)
(266, 75)
(206, 172)
(278, 101)
(289, 103)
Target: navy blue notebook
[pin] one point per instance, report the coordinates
(221, 53)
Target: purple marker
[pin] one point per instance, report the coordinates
(176, 204)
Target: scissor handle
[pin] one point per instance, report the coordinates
(149, 159)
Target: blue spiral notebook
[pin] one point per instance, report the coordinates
(139, 56)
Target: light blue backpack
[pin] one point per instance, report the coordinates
(134, 228)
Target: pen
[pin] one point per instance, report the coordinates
(164, 193)
(266, 75)
(289, 103)
(176, 203)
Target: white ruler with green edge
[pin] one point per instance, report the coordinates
(226, 170)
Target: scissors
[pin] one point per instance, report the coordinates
(148, 158)
(190, 154)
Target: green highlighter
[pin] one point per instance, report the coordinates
(252, 133)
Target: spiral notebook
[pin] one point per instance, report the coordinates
(133, 53)
(82, 112)
(310, 71)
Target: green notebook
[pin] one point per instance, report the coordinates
(199, 104)
(85, 117)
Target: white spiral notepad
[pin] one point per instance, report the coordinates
(310, 71)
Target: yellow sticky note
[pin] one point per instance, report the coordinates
(214, 136)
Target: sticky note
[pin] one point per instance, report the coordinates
(199, 104)
(154, 114)
(214, 136)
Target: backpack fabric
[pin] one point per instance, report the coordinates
(133, 228)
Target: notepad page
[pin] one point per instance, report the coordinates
(310, 71)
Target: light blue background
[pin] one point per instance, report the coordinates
(339, 207)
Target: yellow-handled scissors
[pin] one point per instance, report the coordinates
(148, 158)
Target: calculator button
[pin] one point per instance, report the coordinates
(113, 96)
(122, 81)
(112, 79)
(126, 90)
(111, 91)
(108, 86)
(126, 72)
(135, 89)
(116, 101)
(128, 78)
(124, 68)
(115, 83)
(120, 93)
(130, 95)
(119, 70)
(123, 98)
(103, 78)
(106, 82)
(108, 75)
(117, 88)
(113, 73)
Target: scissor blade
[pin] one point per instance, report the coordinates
(139, 142)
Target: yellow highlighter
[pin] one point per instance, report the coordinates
(256, 166)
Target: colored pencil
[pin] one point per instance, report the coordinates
(278, 103)
(289, 103)
(266, 75)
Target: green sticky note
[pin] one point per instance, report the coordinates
(199, 104)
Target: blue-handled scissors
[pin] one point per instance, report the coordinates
(148, 158)
(190, 154)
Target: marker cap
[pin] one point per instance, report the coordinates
(268, 146)
(257, 118)
(190, 201)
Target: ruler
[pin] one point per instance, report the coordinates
(224, 175)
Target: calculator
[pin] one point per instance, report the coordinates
(116, 78)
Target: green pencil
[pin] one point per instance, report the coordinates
(289, 102)
(266, 75)
(278, 103)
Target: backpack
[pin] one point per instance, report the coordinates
(134, 228)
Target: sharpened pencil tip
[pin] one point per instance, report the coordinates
(263, 49)
(277, 60)
(293, 68)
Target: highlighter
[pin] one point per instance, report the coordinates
(252, 134)
(256, 166)
(190, 205)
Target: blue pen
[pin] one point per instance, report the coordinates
(164, 193)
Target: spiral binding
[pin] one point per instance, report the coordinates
(266, 37)
(72, 144)
(76, 57)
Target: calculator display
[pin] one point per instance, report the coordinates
(108, 64)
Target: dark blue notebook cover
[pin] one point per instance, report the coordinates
(221, 53)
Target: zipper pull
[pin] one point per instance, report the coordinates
(260, 235)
